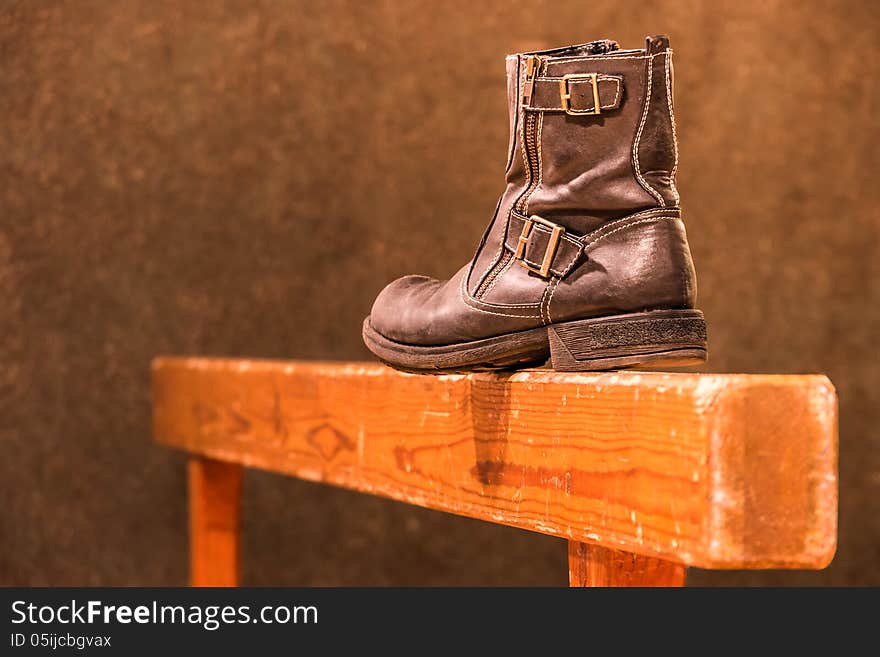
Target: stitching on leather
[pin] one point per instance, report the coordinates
(461, 292)
(553, 291)
(494, 260)
(540, 148)
(545, 314)
(489, 312)
(656, 213)
(522, 145)
(543, 296)
(635, 153)
(593, 58)
(545, 317)
(497, 278)
(476, 303)
(620, 228)
(550, 300)
(522, 141)
(641, 213)
(497, 256)
(602, 77)
(674, 134)
(574, 258)
(525, 206)
(507, 305)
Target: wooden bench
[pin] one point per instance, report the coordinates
(643, 473)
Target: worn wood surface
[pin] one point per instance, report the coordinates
(214, 502)
(594, 565)
(709, 470)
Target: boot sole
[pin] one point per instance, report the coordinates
(655, 338)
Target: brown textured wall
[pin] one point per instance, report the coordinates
(240, 178)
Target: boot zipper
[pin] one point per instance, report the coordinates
(533, 64)
(530, 142)
(531, 145)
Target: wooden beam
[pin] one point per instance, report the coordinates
(708, 470)
(594, 565)
(214, 500)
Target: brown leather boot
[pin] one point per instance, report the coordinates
(586, 259)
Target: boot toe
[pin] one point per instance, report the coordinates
(398, 312)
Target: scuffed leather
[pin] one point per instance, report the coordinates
(644, 266)
(424, 311)
(607, 179)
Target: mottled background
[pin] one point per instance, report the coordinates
(240, 178)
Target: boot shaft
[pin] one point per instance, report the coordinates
(592, 140)
(592, 133)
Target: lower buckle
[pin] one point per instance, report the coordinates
(565, 93)
(556, 232)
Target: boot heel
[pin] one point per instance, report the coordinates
(657, 338)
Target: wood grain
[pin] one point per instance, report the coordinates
(709, 470)
(594, 565)
(214, 502)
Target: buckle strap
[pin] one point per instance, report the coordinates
(575, 93)
(541, 246)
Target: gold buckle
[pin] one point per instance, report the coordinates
(565, 93)
(552, 245)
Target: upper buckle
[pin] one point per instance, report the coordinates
(565, 93)
(550, 253)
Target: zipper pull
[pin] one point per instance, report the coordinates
(533, 65)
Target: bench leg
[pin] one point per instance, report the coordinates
(214, 495)
(591, 565)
